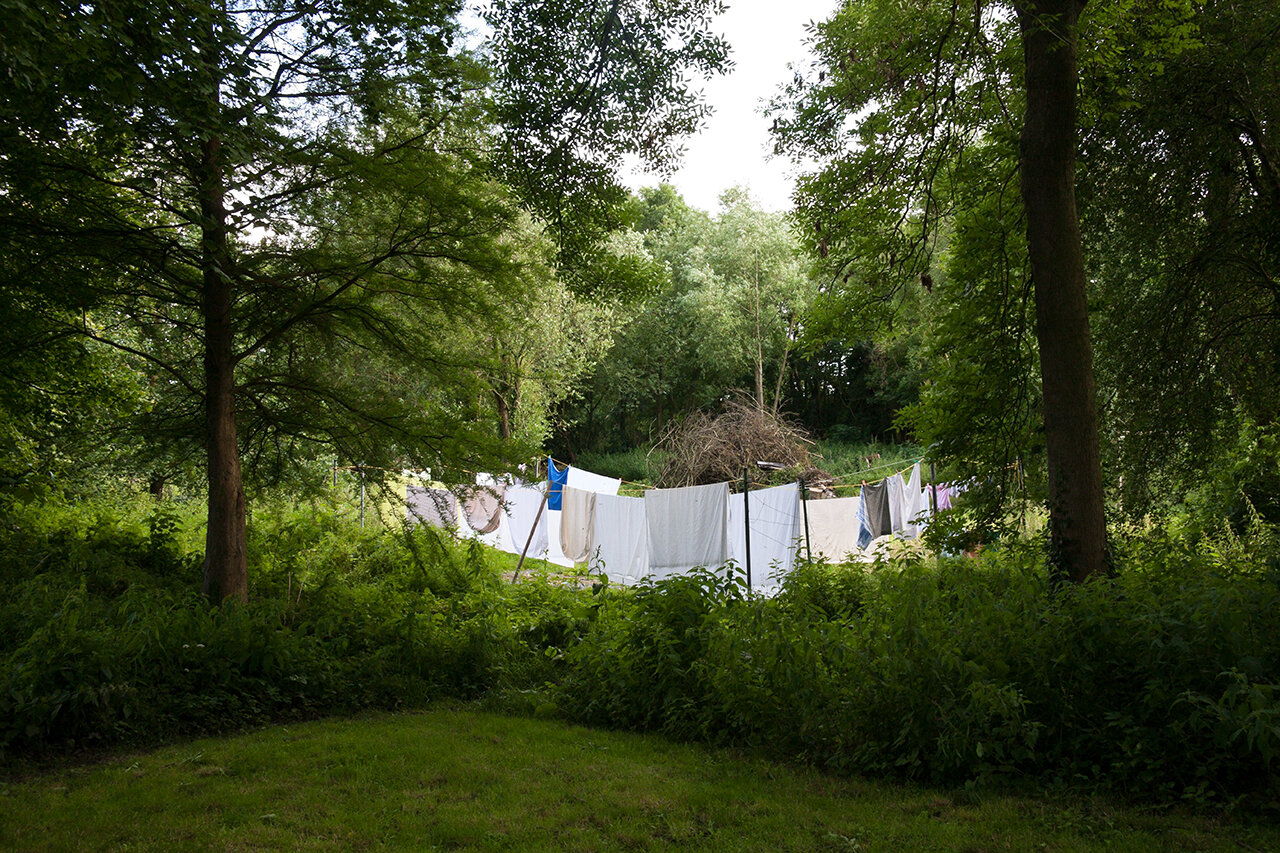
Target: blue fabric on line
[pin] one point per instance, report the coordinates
(864, 526)
(558, 478)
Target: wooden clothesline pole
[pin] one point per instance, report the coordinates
(532, 530)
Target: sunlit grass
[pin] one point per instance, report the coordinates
(454, 778)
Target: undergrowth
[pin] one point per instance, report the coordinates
(1162, 683)
(105, 639)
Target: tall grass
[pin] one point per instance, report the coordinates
(844, 458)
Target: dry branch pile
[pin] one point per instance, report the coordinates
(705, 449)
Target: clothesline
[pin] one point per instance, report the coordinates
(887, 465)
(632, 486)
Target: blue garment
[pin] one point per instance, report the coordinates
(558, 479)
(864, 525)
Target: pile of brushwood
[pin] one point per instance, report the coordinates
(715, 448)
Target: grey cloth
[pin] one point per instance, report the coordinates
(687, 528)
(436, 507)
(875, 499)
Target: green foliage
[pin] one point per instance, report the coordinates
(1158, 684)
(1186, 328)
(638, 465)
(103, 638)
(724, 314)
(580, 86)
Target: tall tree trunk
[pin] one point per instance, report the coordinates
(759, 346)
(226, 569)
(1077, 523)
(782, 368)
(506, 393)
(504, 415)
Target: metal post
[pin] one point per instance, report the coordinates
(335, 472)
(362, 497)
(933, 485)
(746, 516)
(804, 507)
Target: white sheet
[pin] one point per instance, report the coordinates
(687, 528)
(588, 482)
(775, 529)
(833, 528)
(620, 545)
(915, 505)
(523, 503)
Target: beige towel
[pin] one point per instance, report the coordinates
(577, 523)
(833, 528)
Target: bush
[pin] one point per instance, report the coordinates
(103, 637)
(1159, 683)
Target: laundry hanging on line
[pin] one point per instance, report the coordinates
(834, 528)
(434, 507)
(620, 539)
(686, 528)
(577, 523)
(775, 532)
(707, 530)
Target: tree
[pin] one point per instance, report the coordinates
(725, 317)
(921, 86)
(275, 202)
(582, 86)
(1180, 206)
(756, 256)
(1077, 520)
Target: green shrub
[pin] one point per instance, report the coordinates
(1159, 683)
(1162, 682)
(104, 638)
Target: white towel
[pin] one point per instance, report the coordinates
(897, 488)
(775, 528)
(589, 482)
(620, 545)
(523, 505)
(833, 528)
(915, 505)
(687, 528)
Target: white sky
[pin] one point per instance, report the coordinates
(733, 148)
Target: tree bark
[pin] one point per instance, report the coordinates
(226, 568)
(504, 415)
(759, 346)
(1077, 522)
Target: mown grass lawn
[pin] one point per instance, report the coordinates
(454, 778)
